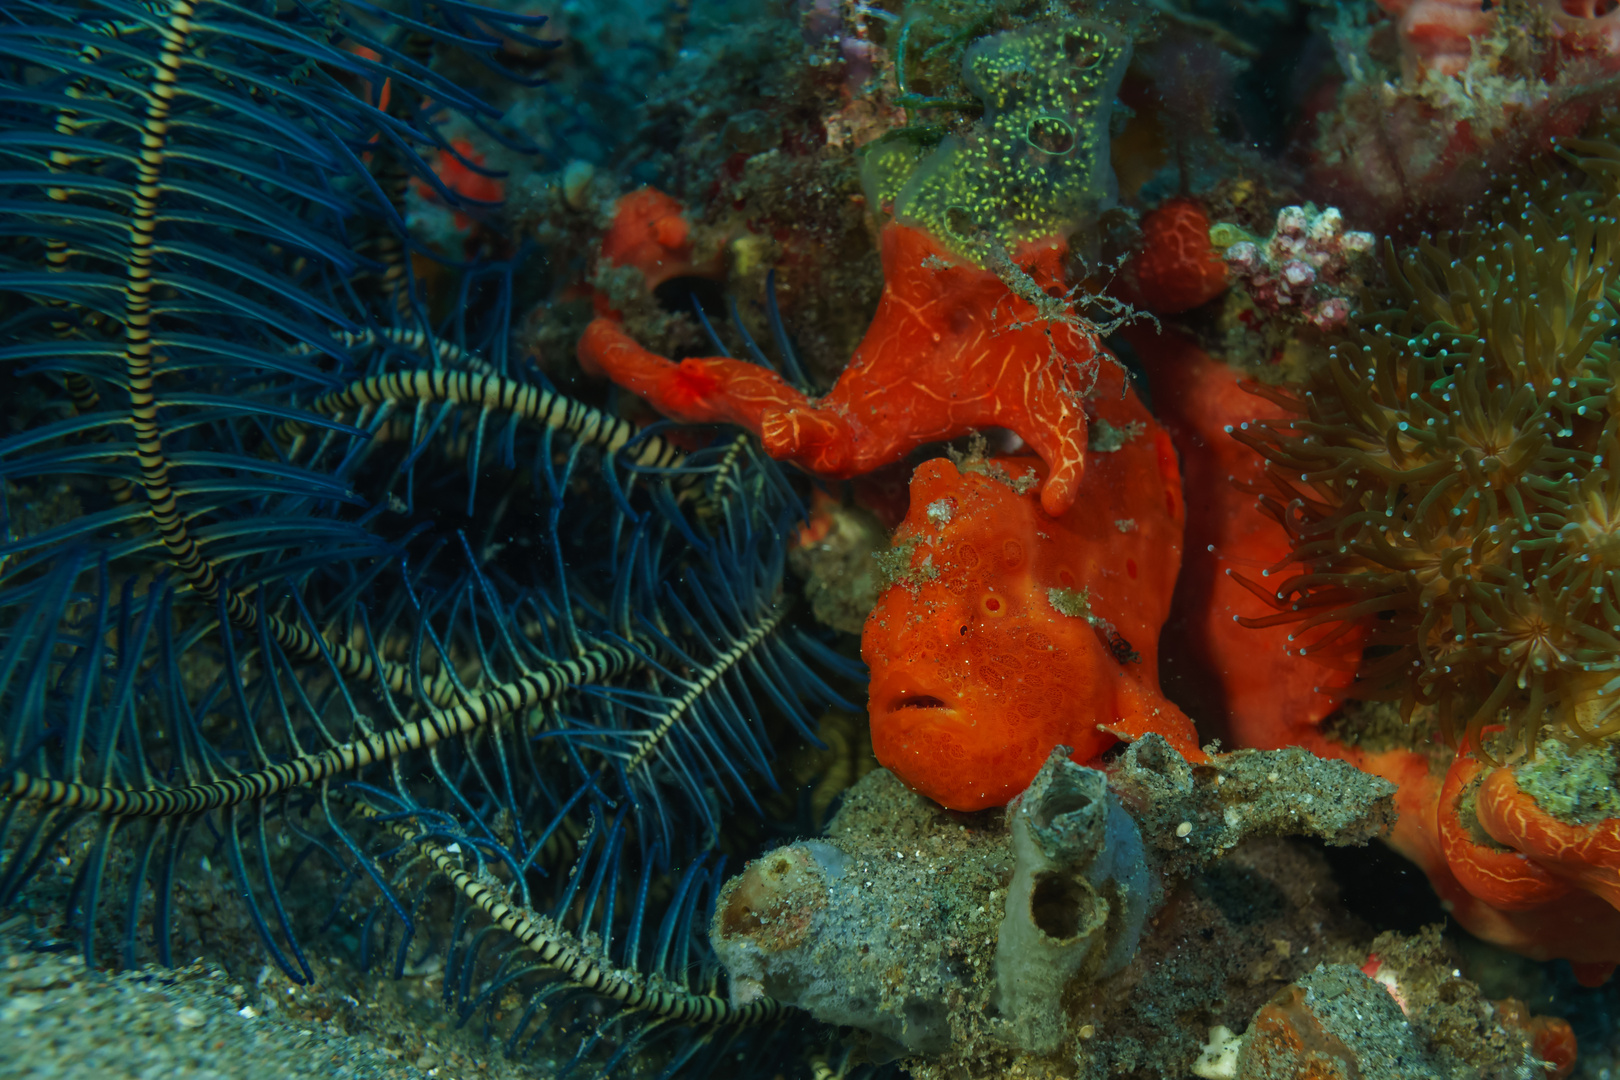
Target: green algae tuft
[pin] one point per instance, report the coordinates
(1075, 603)
(1573, 782)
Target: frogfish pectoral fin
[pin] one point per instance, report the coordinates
(1145, 711)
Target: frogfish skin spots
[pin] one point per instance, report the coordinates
(1007, 632)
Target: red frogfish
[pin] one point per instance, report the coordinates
(1257, 685)
(1007, 632)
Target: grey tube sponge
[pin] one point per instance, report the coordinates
(972, 940)
(1080, 892)
(770, 914)
(860, 939)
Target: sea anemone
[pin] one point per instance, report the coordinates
(1451, 481)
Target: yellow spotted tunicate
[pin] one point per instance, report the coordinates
(1036, 165)
(886, 165)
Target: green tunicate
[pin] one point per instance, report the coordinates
(1223, 235)
(1037, 164)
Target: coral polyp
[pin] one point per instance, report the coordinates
(1452, 483)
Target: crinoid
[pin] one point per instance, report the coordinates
(1452, 483)
(357, 608)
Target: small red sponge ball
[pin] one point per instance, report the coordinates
(1177, 269)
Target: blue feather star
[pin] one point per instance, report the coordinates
(295, 580)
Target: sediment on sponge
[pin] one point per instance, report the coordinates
(1452, 482)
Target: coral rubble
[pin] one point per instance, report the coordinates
(953, 938)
